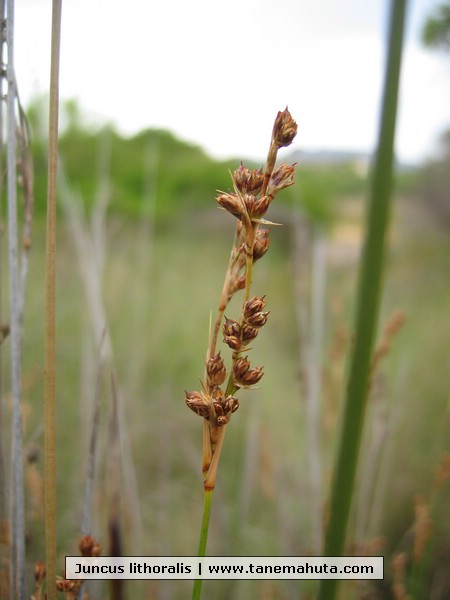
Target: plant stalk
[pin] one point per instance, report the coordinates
(207, 502)
(50, 310)
(369, 294)
(17, 509)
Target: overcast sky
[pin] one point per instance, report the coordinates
(216, 72)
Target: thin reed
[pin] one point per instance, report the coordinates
(3, 496)
(253, 192)
(369, 294)
(50, 310)
(17, 500)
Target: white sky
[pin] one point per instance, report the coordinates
(216, 72)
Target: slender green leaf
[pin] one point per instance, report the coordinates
(369, 294)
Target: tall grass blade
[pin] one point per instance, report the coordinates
(369, 293)
(314, 380)
(17, 506)
(50, 309)
(26, 170)
(4, 534)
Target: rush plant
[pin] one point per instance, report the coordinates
(253, 192)
(368, 303)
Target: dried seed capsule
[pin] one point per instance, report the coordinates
(215, 369)
(248, 181)
(254, 305)
(284, 129)
(249, 201)
(240, 368)
(198, 402)
(223, 420)
(252, 376)
(281, 178)
(88, 545)
(231, 328)
(231, 404)
(248, 333)
(218, 408)
(233, 342)
(231, 203)
(258, 319)
(218, 395)
(224, 411)
(260, 206)
(261, 244)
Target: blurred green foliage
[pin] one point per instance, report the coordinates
(436, 29)
(178, 174)
(155, 171)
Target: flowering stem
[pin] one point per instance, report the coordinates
(212, 404)
(207, 501)
(50, 333)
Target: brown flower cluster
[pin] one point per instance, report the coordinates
(253, 192)
(70, 587)
(248, 202)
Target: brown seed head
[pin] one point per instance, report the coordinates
(261, 244)
(284, 129)
(282, 177)
(258, 319)
(231, 404)
(231, 203)
(240, 368)
(218, 395)
(254, 305)
(248, 181)
(89, 546)
(252, 376)
(260, 206)
(39, 571)
(215, 369)
(248, 333)
(249, 201)
(233, 342)
(231, 327)
(225, 410)
(199, 403)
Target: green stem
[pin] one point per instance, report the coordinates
(369, 294)
(207, 502)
